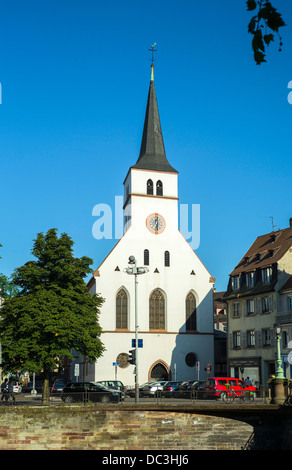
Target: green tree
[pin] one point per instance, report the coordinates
(263, 26)
(52, 313)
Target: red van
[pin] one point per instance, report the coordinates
(215, 387)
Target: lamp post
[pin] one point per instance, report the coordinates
(279, 373)
(135, 271)
(1, 303)
(278, 384)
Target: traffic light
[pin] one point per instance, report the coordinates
(132, 357)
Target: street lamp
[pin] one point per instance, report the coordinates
(1, 303)
(279, 373)
(134, 270)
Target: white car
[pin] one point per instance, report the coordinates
(17, 388)
(150, 389)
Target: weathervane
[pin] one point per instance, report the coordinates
(152, 50)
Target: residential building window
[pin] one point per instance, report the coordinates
(122, 310)
(285, 339)
(266, 275)
(157, 310)
(146, 257)
(289, 302)
(266, 337)
(266, 304)
(250, 337)
(235, 282)
(250, 279)
(235, 306)
(149, 187)
(191, 315)
(250, 307)
(166, 258)
(236, 339)
(159, 188)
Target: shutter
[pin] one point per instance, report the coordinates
(230, 340)
(243, 339)
(258, 338)
(273, 337)
(259, 305)
(245, 308)
(271, 306)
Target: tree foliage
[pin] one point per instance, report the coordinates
(264, 25)
(52, 313)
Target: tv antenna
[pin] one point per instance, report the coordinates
(272, 221)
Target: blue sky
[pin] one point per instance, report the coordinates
(75, 78)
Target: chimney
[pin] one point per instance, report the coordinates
(290, 221)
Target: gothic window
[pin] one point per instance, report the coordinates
(149, 187)
(166, 258)
(157, 310)
(121, 310)
(191, 320)
(159, 188)
(146, 257)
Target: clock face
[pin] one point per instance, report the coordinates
(155, 223)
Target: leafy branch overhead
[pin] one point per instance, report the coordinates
(263, 26)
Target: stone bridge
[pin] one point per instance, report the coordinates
(135, 427)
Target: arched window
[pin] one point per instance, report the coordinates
(166, 258)
(157, 310)
(149, 187)
(146, 257)
(122, 310)
(159, 188)
(191, 317)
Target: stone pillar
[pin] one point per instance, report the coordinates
(279, 391)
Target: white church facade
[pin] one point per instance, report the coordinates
(174, 303)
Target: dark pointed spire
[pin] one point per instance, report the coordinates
(152, 153)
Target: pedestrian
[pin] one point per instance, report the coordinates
(11, 390)
(248, 381)
(4, 391)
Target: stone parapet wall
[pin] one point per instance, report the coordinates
(116, 428)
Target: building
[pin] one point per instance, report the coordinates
(284, 318)
(220, 311)
(175, 296)
(254, 296)
(220, 335)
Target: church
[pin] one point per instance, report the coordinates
(169, 307)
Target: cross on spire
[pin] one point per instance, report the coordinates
(152, 50)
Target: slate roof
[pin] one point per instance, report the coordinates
(152, 152)
(288, 285)
(265, 251)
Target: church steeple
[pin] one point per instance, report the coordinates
(152, 152)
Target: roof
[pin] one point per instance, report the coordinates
(219, 301)
(265, 251)
(287, 285)
(152, 152)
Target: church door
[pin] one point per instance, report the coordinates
(159, 372)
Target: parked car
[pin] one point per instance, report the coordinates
(131, 390)
(17, 387)
(185, 389)
(171, 389)
(88, 392)
(216, 387)
(151, 389)
(198, 389)
(116, 384)
(57, 387)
